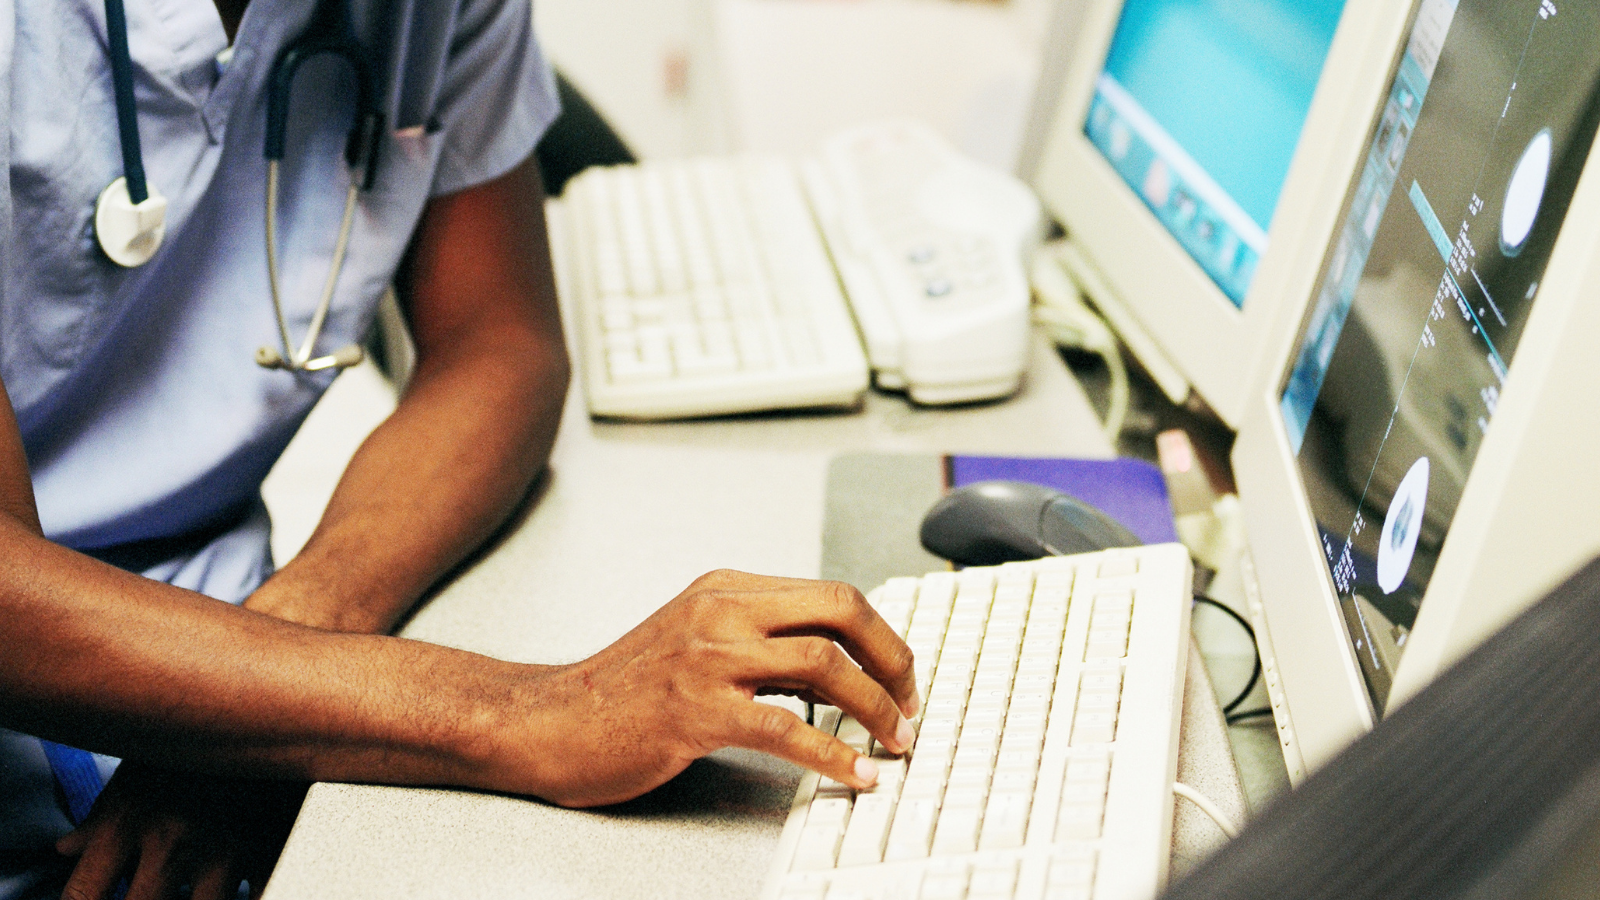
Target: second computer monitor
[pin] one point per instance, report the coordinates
(1421, 466)
(1189, 157)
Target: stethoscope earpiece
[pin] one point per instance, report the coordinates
(343, 358)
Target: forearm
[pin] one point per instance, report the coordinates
(423, 491)
(472, 431)
(113, 662)
(16, 485)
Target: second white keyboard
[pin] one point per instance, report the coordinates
(1046, 749)
(702, 287)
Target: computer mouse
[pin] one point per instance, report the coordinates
(992, 522)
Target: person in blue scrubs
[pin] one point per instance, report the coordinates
(139, 427)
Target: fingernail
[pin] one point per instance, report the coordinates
(915, 703)
(903, 735)
(866, 771)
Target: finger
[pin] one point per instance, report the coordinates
(73, 842)
(840, 612)
(155, 877)
(214, 879)
(100, 865)
(774, 730)
(817, 665)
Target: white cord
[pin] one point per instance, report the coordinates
(1207, 806)
(1117, 410)
(1070, 323)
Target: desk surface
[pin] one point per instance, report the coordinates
(629, 516)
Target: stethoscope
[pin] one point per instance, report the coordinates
(130, 215)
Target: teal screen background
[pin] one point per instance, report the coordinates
(1230, 80)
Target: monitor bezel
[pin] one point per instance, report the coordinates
(1492, 564)
(1221, 349)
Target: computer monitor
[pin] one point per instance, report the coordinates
(1420, 465)
(1187, 155)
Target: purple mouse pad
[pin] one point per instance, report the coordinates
(1132, 491)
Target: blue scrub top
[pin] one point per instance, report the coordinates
(147, 423)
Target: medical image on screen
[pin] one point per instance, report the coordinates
(1199, 109)
(1423, 297)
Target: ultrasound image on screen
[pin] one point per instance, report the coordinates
(1425, 293)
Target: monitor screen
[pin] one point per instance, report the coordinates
(1199, 109)
(1424, 294)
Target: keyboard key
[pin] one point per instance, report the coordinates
(891, 774)
(1093, 728)
(829, 787)
(1106, 643)
(854, 735)
(958, 828)
(1079, 822)
(1012, 780)
(1005, 821)
(1092, 768)
(944, 886)
(868, 830)
(969, 779)
(818, 847)
(995, 879)
(1101, 680)
(1098, 702)
(1072, 869)
(912, 833)
(832, 811)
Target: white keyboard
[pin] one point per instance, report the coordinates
(703, 288)
(713, 285)
(1046, 749)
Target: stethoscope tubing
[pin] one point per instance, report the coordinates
(301, 359)
(329, 32)
(127, 111)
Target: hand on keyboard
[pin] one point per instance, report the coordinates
(683, 683)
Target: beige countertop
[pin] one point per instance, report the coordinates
(629, 515)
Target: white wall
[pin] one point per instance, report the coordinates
(796, 71)
(643, 63)
(691, 76)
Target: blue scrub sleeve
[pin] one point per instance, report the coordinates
(497, 96)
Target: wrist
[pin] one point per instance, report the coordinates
(505, 734)
(293, 599)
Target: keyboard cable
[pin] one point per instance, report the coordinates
(1207, 806)
(1228, 709)
(1072, 325)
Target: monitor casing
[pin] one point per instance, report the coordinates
(1529, 515)
(1154, 286)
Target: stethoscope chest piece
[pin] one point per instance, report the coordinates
(130, 233)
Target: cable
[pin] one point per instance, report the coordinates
(1255, 673)
(1207, 806)
(1071, 324)
(1117, 408)
(1248, 714)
